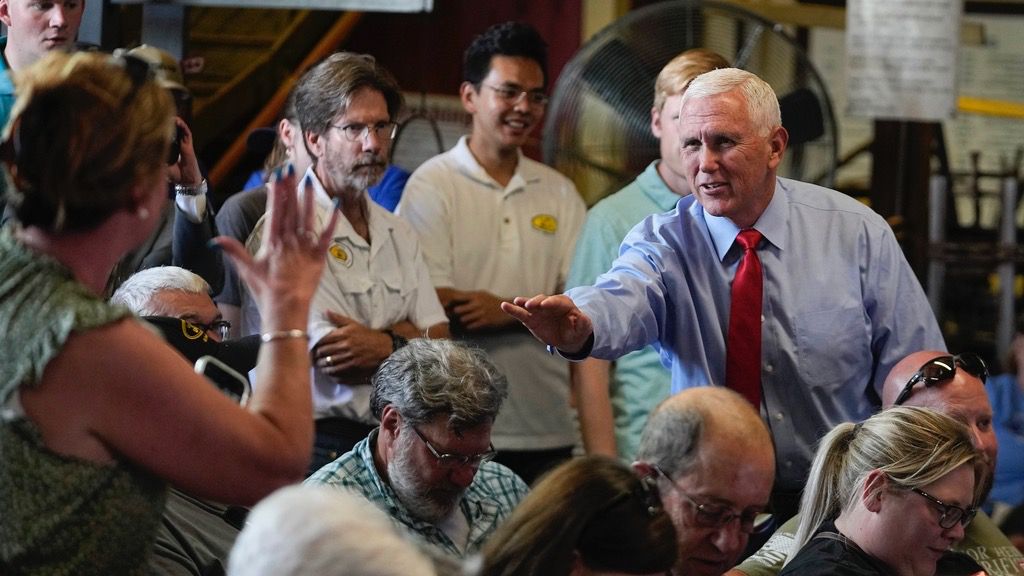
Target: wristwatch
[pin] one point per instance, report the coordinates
(397, 341)
(190, 190)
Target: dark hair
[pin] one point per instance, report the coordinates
(508, 39)
(594, 506)
(1014, 521)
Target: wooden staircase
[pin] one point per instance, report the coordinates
(248, 54)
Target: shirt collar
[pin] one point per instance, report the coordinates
(654, 187)
(380, 228)
(470, 505)
(771, 224)
(469, 166)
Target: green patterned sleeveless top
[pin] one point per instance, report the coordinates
(58, 514)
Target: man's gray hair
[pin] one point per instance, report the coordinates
(137, 291)
(427, 377)
(326, 531)
(325, 90)
(762, 103)
(671, 439)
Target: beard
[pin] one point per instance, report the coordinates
(426, 502)
(359, 175)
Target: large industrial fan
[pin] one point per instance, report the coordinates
(598, 123)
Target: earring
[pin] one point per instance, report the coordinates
(142, 213)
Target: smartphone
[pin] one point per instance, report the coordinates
(174, 153)
(225, 378)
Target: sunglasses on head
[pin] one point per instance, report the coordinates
(941, 369)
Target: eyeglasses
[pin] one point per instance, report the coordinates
(219, 327)
(949, 514)
(452, 460)
(941, 369)
(357, 132)
(716, 516)
(514, 95)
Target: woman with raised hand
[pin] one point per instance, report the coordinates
(590, 516)
(889, 496)
(97, 414)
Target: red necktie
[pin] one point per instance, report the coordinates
(743, 348)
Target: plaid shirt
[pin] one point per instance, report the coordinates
(487, 502)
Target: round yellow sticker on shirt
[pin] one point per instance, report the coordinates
(545, 223)
(338, 252)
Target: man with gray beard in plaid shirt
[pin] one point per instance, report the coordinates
(429, 463)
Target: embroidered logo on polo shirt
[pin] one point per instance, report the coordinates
(545, 223)
(339, 253)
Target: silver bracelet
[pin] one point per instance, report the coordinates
(284, 335)
(190, 190)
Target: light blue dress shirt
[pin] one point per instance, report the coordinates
(638, 380)
(841, 307)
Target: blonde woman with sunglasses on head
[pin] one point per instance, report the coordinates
(889, 496)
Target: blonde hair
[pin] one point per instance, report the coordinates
(680, 70)
(81, 134)
(912, 446)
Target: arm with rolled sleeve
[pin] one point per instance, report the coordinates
(630, 304)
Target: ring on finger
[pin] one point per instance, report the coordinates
(329, 361)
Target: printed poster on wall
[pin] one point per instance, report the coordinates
(901, 58)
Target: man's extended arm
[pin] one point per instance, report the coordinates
(554, 320)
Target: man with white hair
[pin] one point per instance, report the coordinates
(796, 296)
(172, 292)
(302, 530)
(195, 535)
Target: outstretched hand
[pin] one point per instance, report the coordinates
(286, 269)
(553, 320)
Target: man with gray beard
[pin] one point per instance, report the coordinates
(375, 293)
(429, 463)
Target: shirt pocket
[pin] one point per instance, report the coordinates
(833, 346)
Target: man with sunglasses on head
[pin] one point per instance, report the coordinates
(955, 386)
(494, 223)
(713, 461)
(429, 463)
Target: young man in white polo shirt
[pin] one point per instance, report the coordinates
(494, 223)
